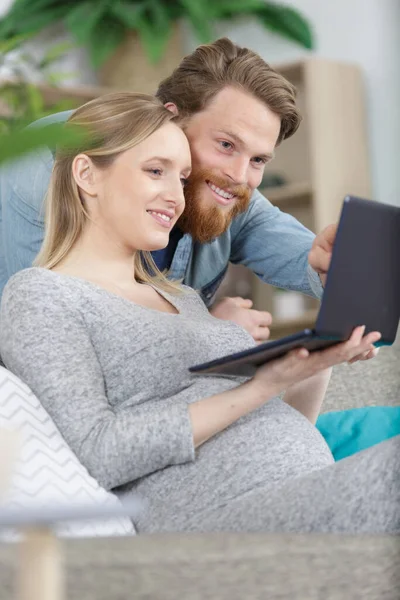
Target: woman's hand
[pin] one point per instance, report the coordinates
(300, 364)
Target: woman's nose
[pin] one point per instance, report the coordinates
(174, 195)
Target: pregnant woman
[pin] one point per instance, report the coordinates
(105, 341)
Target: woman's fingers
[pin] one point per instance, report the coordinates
(358, 344)
(357, 347)
(353, 349)
(367, 355)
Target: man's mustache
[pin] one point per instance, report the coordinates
(207, 176)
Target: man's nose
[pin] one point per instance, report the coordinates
(237, 171)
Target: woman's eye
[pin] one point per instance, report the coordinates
(184, 181)
(226, 145)
(157, 172)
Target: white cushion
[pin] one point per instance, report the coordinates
(47, 471)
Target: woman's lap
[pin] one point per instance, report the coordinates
(359, 494)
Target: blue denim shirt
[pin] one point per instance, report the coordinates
(273, 244)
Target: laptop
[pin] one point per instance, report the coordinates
(362, 288)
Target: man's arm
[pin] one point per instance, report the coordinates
(275, 246)
(23, 187)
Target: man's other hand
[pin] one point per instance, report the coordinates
(239, 310)
(321, 251)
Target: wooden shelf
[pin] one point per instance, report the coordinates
(52, 95)
(287, 193)
(82, 94)
(293, 71)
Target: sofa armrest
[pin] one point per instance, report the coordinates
(373, 382)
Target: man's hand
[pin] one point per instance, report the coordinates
(239, 310)
(321, 251)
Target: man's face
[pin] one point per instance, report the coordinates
(231, 141)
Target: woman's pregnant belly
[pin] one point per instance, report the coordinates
(273, 444)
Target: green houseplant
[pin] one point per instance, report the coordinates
(22, 102)
(101, 25)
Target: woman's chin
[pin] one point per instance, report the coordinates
(155, 245)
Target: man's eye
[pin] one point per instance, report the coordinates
(259, 161)
(226, 145)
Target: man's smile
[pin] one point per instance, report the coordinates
(222, 196)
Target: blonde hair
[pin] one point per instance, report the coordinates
(212, 67)
(115, 123)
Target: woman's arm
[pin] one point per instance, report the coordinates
(211, 415)
(44, 340)
(307, 396)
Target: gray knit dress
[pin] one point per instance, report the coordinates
(114, 377)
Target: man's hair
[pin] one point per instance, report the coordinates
(212, 67)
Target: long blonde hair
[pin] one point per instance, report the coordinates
(115, 123)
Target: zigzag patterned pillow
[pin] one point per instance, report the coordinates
(48, 472)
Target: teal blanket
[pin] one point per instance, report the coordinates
(349, 431)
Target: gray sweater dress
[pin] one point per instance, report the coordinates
(114, 377)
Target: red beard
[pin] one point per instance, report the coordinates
(203, 220)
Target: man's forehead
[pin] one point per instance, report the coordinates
(246, 120)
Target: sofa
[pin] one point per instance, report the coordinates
(237, 566)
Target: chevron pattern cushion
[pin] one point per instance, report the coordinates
(48, 472)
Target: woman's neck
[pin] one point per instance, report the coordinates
(99, 260)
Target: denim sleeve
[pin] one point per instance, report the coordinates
(23, 187)
(275, 246)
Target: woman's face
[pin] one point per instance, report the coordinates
(138, 199)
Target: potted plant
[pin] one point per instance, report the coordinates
(144, 29)
(22, 102)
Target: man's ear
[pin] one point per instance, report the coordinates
(83, 172)
(172, 107)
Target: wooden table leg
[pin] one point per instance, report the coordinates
(9, 451)
(40, 566)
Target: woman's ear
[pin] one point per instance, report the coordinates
(83, 171)
(172, 107)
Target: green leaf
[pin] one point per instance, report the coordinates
(198, 12)
(128, 14)
(225, 9)
(55, 79)
(37, 22)
(154, 30)
(30, 17)
(12, 43)
(105, 38)
(55, 53)
(84, 17)
(35, 101)
(288, 23)
(18, 143)
(53, 15)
